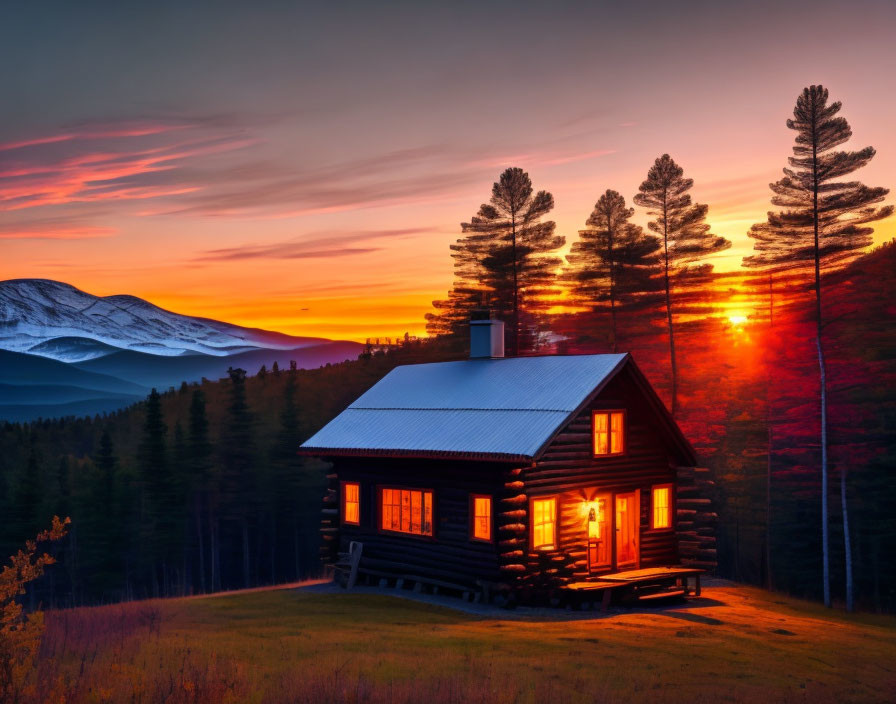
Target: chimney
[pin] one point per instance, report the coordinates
(486, 336)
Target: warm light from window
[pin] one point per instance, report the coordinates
(544, 523)
(608, 430)
(351, 503)
(482, 517)
(662, 507)
(406, 511)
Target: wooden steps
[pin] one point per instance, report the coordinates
(674, 593)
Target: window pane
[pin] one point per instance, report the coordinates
(406, 511)
(544, 523)
(601, 433)
(482, 510)
(351, 505)
(427, 513)
(616, 433)
(416, 511)
(662, 507)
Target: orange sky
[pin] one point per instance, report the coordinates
(254, 172)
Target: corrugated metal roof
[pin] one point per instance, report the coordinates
(490, 407)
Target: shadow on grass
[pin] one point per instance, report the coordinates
(455, 606)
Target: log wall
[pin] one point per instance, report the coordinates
(450, 555)
(569, 471)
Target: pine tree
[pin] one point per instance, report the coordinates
(685, 238)
(199, 464)
(510, 252)
(101, 534)
(155, 483)
(822, 226)
(613, 262)
(238, 462)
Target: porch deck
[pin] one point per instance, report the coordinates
(637, 585)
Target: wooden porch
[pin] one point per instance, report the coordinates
(633, 586)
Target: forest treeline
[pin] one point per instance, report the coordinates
(200, 488)
(193, 490)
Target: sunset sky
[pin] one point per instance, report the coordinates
(304, 169)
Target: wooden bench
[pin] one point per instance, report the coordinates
(346, 568)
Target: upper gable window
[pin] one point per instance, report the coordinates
(608, 432)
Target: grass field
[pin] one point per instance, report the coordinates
(737, 644)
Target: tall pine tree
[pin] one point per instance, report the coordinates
(238, 464)
(823, 225)
(613, 263)
(510, 252)
(155, 488)
(685, 239)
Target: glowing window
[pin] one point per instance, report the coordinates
(608, 429)
(351, 503)
(662, 506)
(406, 511)
(544, 524)
(482, 517)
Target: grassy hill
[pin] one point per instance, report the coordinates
(736, 644)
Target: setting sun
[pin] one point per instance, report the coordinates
(737, 319)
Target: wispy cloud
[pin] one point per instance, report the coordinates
(320, 245)
(55, 227)
(104, 163)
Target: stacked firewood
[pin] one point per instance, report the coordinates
(696, 519)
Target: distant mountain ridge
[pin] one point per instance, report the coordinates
(67, 352)
(57, 320)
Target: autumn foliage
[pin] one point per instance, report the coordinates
(20, 633)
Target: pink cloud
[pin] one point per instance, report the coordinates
(112, 173)
(46, 231)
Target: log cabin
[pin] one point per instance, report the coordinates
(518, 476)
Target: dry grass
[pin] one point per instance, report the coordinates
(738, 644)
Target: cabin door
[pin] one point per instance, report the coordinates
(600, 534)
(628, 513)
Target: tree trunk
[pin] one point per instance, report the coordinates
(516, 297)
(769, 448)
(245, 531)
(826, 560)
(847, 547)
(669, 310)
(612, 286)
(197, 510)
(826, 566)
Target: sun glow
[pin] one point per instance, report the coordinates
(737, 319)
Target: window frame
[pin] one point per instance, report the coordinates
(491, 518)
(379, 511)
(671, 508)
(554, 545)
(342, 502)
(609, 413)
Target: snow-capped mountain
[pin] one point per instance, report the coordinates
(56, 320)
(67, 352)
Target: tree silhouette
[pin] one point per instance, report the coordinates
(509, 252)
(685, 238)
(613, 262)
(155, 485)
(238, 464)
(199, 480)
(821, 227)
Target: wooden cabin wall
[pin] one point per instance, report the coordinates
(569, 471)
(449, 555)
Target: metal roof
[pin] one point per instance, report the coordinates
(490, 408)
